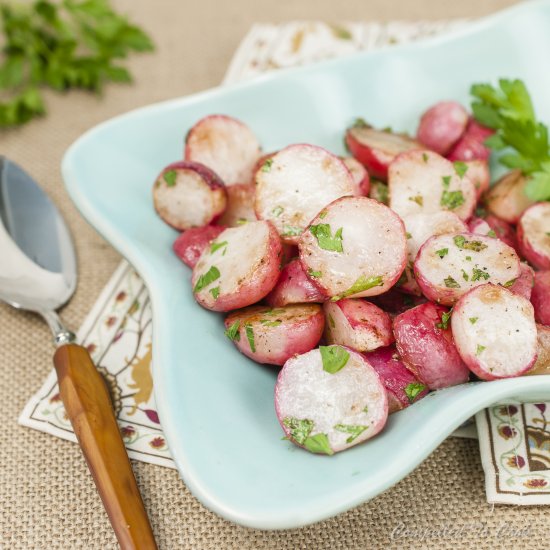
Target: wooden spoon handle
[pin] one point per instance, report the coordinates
(88, 405)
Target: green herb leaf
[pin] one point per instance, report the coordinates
(473, 320)
(216, 246)
(509, 283)
(268, 323)
(445, 316)
(354, 430)
(478, 274)
(408, 235)
(277, 211)
(450, 282)
(331, 321)
(360, 123)
(460, 168)
(334, 358)
(446, 181)
(215, 292)
(233, 331)
(479, 349)
(413, 390)
(491, 233)
(442, 252)
(318, 444)
(314, 274)
(418, 199)
(323, 214)
(267, 165)
(424, 157)
(170, 178)
(323, 233)
(465, 276)
(299, 429)
(207, 278)
(461, 242)
(468, 258)
(291, 231)
(452, 199)
(363, 283)
(250, 337)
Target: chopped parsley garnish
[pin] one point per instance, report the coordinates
(277, 211)
(418, 199)
(323, 233)
(479, 349)
(450, 282)
(331, 321)
(473, 320)
(354, 430)
(460, 168)
(413, 390)
(382, 193)
(291, 231)
(242, 221)
(424, 157)
(408, 235)
(268, 323)
(250, 337)
(334, 358)
(463, 244)
(314, 274)
(207, 278)
(465, 276)
(491, 233)
(363, 283)
(442, 252)
(366, 409)
(478, 274)
(170, 178)
(323, 214)
(216, 246)
(509, 283)
(360, 123)
(452, 199)
(233, 331)
(215, 292)
(299, 429)
(445, 316)
(446, 181)
(267, 165)
(469, 258)
(318, 444)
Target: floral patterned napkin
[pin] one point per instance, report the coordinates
(514, 439)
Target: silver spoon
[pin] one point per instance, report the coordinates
(38, 273)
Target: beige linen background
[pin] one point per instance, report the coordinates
(47, 499)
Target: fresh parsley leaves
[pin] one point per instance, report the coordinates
(334, 358)
(207, 278)
(413, 390)
(233, 331)
(360, 285)
(327, 241)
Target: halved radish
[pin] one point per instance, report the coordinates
(495, 332)
(226, 145)
(191, 244)
(273, 336)
(240, 205)
(376, 149)
(471, 146)
(534, 235)
(355, 247)
(395, 302)
(239, 268)
(540, 297)
(480, 227)
(188, 194)
(402, 386)
(330, 399)
(448, 266)
(379, 191)
(478, 172)
(358, 324)
(503, 230)
(295, 184)
(507, 199)
(360, 176)
(523, 285)
(542, 365)
(294, 287)
(442, 125)
(425, 343)
(423, 182)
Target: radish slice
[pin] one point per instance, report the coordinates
(188, 194)
(330, 399)
(240, 205)
(425, 342)
(295, 184)
(478, 172)
(471, 146)
(507, 199)
(191, 244)
(448, 266)
(239, 268)
(401, 384)
(540, 297)
(423, 182)
(357, 324)
(273, 336)
(360, 176)
(376, 149)
(226, 145)
(294, 287)
(534, 235)
(503, 230)
(542, 365)
(480, 227)
(442, 125)
(523, 285)
(379, 192)
(355, 247)
(495, 332)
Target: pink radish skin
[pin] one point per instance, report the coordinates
(401, 384)
(480, 227)
(395, 302)
(376, 149)
(273, 336)
(240, 205)
(226, 145)
(423, 182)
(295, 184)
(442, 125)
(294, 287)
(447, 268)
(542, 365)
(333, 404)
(540, 297)
(191, 244)
(360, 176)
(534, 235)
(373, 248)
(239, 268)
(491, 226)
(523, 285)
(471, 145)
(357, 324)
(188, 194)
(427, 348)
(507, 199)
(495, 332)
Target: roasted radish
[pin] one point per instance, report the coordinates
(540, 297)
(534, 235)
(423, 182)
(275, 335)
(478, 172)
(226, 145)
(191, 244)
(240, 267)
(425, 343)
(448, 266)
(471, 146)
(358, 324)
(330, 399)
(188, 194)
(507, 199)
(542, 365)
(240, 205)
(523, 285)
(355, 247)
(360, 176)
(495, 332)
(402, 386)
(295, 184)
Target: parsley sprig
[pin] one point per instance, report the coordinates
(60, 44)
(521, 140)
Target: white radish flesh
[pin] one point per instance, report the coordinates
(523, 285)
(360, 176)
(534, 235)
(240, 205)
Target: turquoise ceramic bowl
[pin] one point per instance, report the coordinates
(216, 406)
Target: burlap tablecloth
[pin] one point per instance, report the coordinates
(47, 498)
